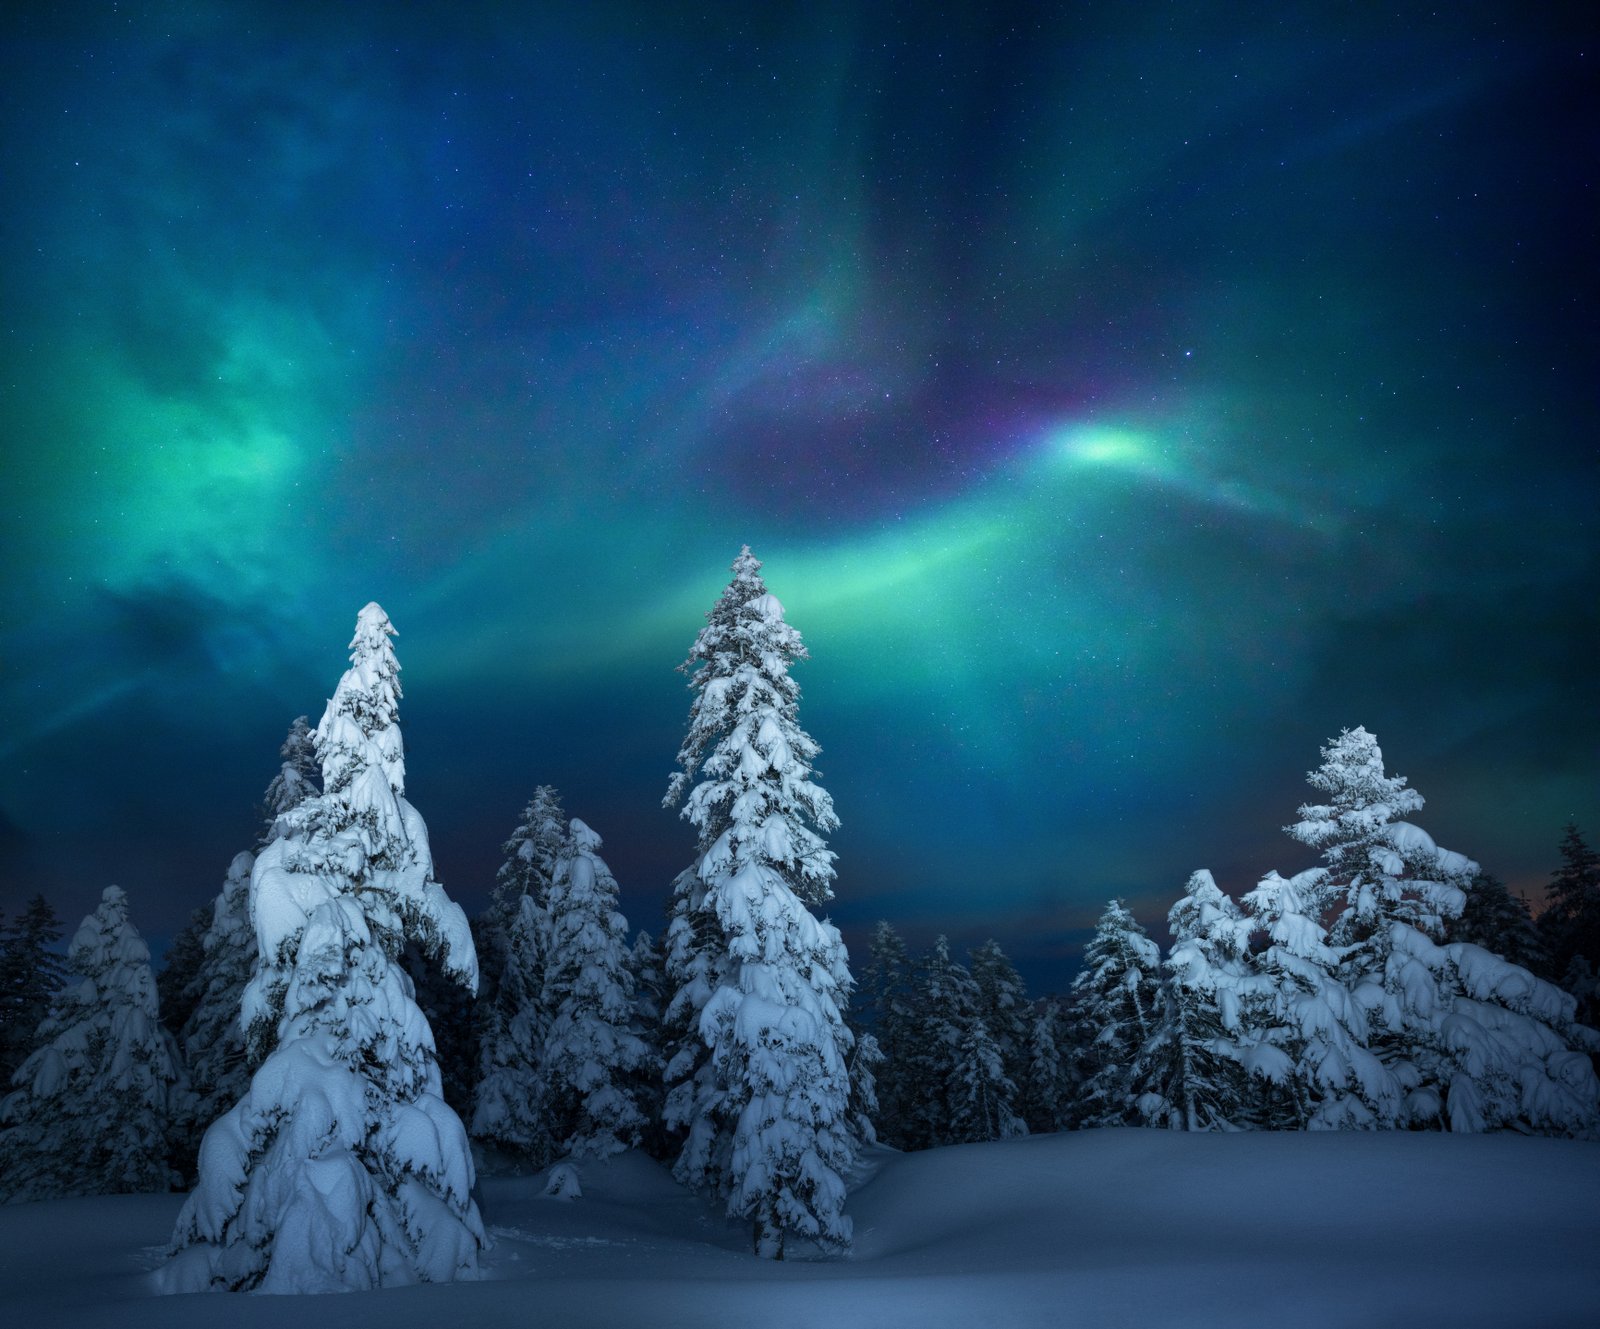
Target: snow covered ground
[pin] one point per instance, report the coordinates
(1100, 1228)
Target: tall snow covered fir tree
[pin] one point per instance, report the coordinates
(1474, 1042)
(508, 1108)
(591, 1052)
(90, 1114)
(765, 1112)
(342, 1167)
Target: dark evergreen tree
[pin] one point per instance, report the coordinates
(1501, 922)
(945, 1001)
(180, 969)
(32, 973)
(882, 1008)
(647, 963)
(512, 1019)
(213, 1036)
(1570, 922)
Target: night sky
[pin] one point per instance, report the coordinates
(1122, 398)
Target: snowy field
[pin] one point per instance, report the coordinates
(1099, 1228)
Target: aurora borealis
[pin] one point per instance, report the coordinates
(1123, 399)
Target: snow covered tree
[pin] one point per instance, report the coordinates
(591, 1052)
(31, 974)
(213, 1035)
(1047, 1085)
(766, 1114)
(1474, 1042)
(1499, 921)
(1327, 1077)
(342, 1167)
(982, 1096)
(945, 1001)
(508, 1107)
(298, 778)
(1116, 998)
(90, 1111)
(1200, 1051)
(1002, 1005)
(1570, 923)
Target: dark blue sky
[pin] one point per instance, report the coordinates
(1122, 402)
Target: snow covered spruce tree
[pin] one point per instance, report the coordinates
(591, 1051)
(1047, 1085)
(1475, 1042)
(31, 974)
(1002, 1005)
(1116, 1005)
(955, 1077)
(508, 1108)
(1200, 1052)
(342, 1167)
(1327, 1078)
(90, 1114)
(767, 1112)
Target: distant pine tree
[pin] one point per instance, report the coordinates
(1047, 1088)
(882, 1008)
(298, 779)
(592, 1053)
(31, 974)
(1500, 922)
(213, 1036)
(945, 1001)
(1003, 1006)
(1116, 1004)
(512, 1020)
(1570, 923)
(647, 964)
(90, 1114)
(175, 984)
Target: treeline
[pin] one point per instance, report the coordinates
(1397, 986)
(336, 1028)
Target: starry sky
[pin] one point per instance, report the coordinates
(1123, 399)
